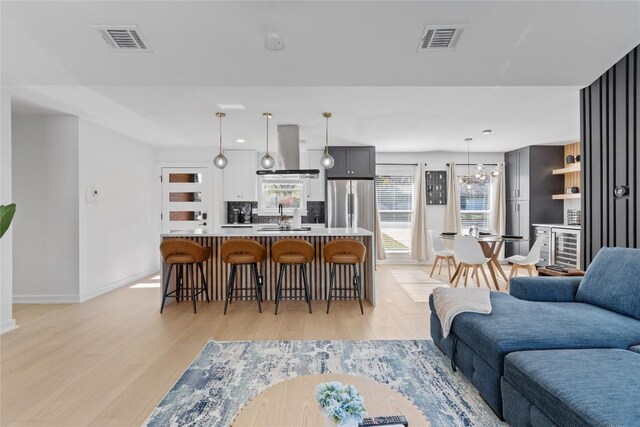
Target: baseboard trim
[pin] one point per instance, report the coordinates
(46, 299)
(120, 283)
(75, 299)
(7, 326)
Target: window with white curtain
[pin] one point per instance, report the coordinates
(475, 205)
(394, 189)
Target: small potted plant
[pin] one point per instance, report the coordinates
(340, 403)
(6, 215)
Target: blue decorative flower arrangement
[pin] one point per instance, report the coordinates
(340, 402)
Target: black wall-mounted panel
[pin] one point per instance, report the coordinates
(610, 133)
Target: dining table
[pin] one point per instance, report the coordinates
(491, 245)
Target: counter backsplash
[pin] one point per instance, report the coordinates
(315, 213)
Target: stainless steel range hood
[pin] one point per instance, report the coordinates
(289, 156)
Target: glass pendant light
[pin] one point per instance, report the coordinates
(327, 160)
(220, 161)
(267, 161)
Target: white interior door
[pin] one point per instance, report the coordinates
(186, 199)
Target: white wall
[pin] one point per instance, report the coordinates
(437, 160)
(119, 235)
(66, 250)
(45, 182)
(7, 323)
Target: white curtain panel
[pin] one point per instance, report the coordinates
(419, 244)
(452, 211)
(498, 205)
(381, 254)
(498, 202)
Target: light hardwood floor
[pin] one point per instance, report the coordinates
(109, 361)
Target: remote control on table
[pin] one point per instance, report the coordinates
(384, 421)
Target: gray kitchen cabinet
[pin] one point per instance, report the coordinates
(530, 185)
(357, 162)
(511, 174)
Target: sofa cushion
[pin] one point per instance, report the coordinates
(579, 387)
(613, 281)
(516, 325)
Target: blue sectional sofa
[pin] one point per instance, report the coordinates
(599, 311)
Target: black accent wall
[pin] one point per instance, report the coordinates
(610, 134)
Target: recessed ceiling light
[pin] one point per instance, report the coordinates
(240, 141)
(231, 107)
(486, 132)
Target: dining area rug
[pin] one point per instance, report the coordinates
(416, 283)
(227, 375)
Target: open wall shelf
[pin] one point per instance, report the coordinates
(566, 196)
(569, 169)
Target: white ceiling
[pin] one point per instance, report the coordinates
(517, 68)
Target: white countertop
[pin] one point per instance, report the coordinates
(254, 232)
(574, 227)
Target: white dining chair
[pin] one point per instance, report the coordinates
(469, 255)
(442, 254)
(529, 261)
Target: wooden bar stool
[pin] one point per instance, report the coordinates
(183, 253)
(237, 252)
(289, 253)
(345, 252)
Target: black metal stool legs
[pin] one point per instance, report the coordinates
(205, 285)
(305, 288)
(166, 286)
(254, 273)
(357, 286)
(355, 282)
(332, 278)
(303, 269)
(230, 283)
(279, 287)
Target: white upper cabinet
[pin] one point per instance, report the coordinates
(239, 177)
(315, 187)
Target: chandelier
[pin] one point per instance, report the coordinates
(480, 175)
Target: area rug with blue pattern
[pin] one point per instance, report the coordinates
(227, 375)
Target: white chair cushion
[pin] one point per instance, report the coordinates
(522, 260)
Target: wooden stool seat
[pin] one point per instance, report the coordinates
(292, 252)
(243, 252)
(179, 253)
(345, 252)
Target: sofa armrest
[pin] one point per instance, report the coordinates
(549, 289)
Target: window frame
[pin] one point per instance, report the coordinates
(287, 210)
(487, 211)
(396, 171)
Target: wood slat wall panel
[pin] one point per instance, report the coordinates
(610, 131)
(318, 273)
(571, 179)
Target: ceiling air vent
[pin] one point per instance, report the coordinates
(123, 38)
(440, 37)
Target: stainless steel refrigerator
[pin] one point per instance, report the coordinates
(351, 203)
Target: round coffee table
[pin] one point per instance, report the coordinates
(293, 403)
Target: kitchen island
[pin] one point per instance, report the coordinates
(318, 271)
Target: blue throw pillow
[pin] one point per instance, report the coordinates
(613, 281)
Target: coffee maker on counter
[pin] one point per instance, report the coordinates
(246, 214)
